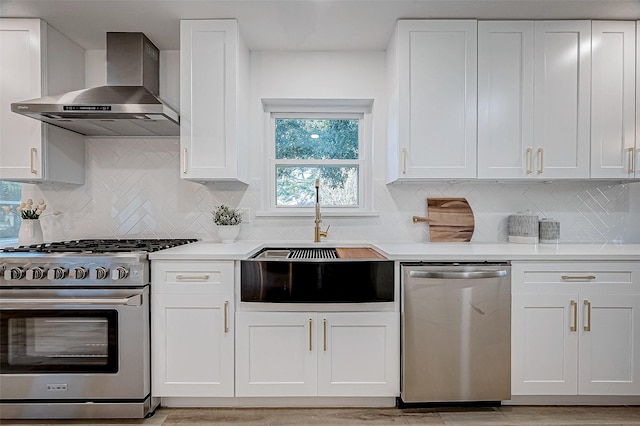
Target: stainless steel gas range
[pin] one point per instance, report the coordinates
(75, 329)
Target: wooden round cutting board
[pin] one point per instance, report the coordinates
(450, 219)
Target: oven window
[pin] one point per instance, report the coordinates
(50, 341)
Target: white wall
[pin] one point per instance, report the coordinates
(133, 187)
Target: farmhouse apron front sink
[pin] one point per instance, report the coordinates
(317, 275)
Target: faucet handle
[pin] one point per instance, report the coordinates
(325, 232)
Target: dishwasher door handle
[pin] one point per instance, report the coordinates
(458, 275)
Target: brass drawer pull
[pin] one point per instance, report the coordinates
(541, 159)
(184, 161)
(404, 161)
(578, 277)
(192, 277)
(588, 305)
(574, 305)
(631, 169)
(529, 161)
(310, 335)
(226, 316)
(324, 326)
(34, 153)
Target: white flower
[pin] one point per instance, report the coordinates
(38, 212)
(57, 213)
(6, 208)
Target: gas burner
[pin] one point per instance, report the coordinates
(101, 246)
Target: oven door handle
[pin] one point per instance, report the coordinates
(135, 300)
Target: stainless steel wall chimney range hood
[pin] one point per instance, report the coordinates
(127, 106)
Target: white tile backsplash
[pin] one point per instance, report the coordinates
(133, 189)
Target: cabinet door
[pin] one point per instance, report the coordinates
(21, 146)
(544, 352)
(276, 354)
(609, 344)
(612, 109)
(505, 99)
(437, 111)
(193, 345)
(358, 354)
(209, 99)
(562, 99)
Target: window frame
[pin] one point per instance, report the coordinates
(319, 109)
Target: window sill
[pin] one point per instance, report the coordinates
(324, 213)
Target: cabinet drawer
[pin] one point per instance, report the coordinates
(192, 277)
(594, 276)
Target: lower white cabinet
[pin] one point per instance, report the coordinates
(576, 328)
(317, 354)
(192, 329)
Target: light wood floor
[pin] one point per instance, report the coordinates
(506, 415)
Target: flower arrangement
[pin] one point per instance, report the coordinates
(224, 215)
(26, 210)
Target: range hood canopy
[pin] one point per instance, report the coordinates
(127, 106)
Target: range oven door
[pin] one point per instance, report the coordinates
(80, 344)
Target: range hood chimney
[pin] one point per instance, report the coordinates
(127, 106)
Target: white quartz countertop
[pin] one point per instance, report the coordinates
(428, 252)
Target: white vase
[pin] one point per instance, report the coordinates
(228, 233)
(30, 232)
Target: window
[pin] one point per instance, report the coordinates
(10, 193)
(324, 142)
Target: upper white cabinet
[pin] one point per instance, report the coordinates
(37, 61)
(214, 87)
(613, 80)
(534, 99)
(505, 99)
(432, 100)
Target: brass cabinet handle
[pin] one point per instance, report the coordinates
(529, 161)
(226, 316)
(578, 277)
(324, 326)
(34, 153)
(574, 327)
(631, 152)
(541, 160)
(192, 277)
(404, 161)
(184, 161)
(588, 305)
(310, 335)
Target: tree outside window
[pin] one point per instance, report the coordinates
(328, 149)
(10, 194)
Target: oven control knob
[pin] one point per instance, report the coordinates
(36, 273)
(78, 273)
(57, 273)
(102, 273)
(14, 273)
(120, 273)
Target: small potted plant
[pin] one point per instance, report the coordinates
(228, 221)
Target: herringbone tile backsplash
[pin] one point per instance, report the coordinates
(133, 190)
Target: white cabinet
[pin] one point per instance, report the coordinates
(192, 329)
(317, 354)
(534, 99)
(214, 88)
(37, 61)
(561, 99)
(576, 328)
(432, 95)
(505, 99)
(613, 81)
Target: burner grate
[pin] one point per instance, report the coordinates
(101, 246)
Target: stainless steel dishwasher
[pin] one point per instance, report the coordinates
(456, 332)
